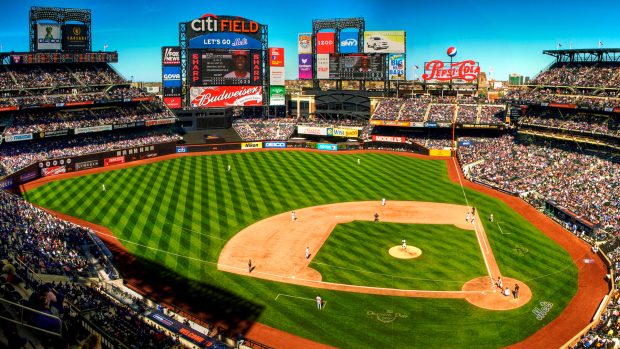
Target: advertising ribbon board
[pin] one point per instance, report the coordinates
(310, 130)
(226, 96)
(114, 161)
(251, 145)
(274, 144)
(52, 171)
(327, 146)
(389, 139)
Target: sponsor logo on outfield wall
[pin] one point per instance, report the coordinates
(274, 144)
(16, 138)
(251, 145)
(327, 146)
(389, 139)
(181, 149)
(114, 160)
(28, 176)
(6, 183)
(85, 165)
(53, 171)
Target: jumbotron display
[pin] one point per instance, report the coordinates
(356, 66)
(226, 68)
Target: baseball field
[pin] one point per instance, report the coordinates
(196, 225)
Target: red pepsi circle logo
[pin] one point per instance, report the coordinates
(451, 51)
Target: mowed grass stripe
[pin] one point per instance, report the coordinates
(126, 201)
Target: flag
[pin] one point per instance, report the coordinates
(416, 66)
(600, 43)
(105, 46)
(559, 45)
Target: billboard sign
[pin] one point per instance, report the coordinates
(444, 71)
(48, 37)
(225, 68)
(349, 42)
(251, 145)
(173, 102)
(276, 57)
(53, 171)
(276, 76)
(356, 66)
(171, 55)
(396, 66)
(304, 43)
(172, 91)
(322, 66)
(114, 160)
(181, 149)
(17, 138)
(231, 41)
(325, 42)
(172, 76)
(277, 95)
(305, 66)
(274, 144)
(311, 130)
(75, 37)
(390, 41)
(388, 139)
(210, 24)
(226, 96)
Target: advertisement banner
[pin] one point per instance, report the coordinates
(181, 149)
(327, 146)
(251, 145)
(6, 183)
(277, 95)
(160, 122)
(9, 108)
(59, 133)
(85, 165)
(322, 66)
(396, 66)
(171, 76)
(389, 139)
(276, 76)
(305, 66)
(171, 55)
(311, 130)
(76, 104)
(210, 23)
(276, 57)
(226, 68)
(349, 42)
(357, 66)
(17, 138)
(48, 37)
(225, 41)
(226, 96)
(173, 102)
(91, 129)
(445, 71)
(27, 177)
(114, 161)
(431, 124)
(439, 152)
(75, 37)
(52, 171)
(304, 43)
(342, 132)
(185, 331)
(390, 41)
(172, 91)
(325, 42)
(274, 144)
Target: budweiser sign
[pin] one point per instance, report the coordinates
(444, 71)
(226, 96)
(171, 55)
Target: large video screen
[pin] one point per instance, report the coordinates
(356, 67)
(225, 68)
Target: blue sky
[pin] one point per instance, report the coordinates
(504, 36)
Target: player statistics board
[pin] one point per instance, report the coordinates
(230, 68)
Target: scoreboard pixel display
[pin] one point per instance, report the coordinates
(357, 66)
(225, 68)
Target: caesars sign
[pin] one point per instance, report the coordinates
(445, 71)
(224, 32)
(75, 37)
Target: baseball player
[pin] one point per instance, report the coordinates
(249, 265)
(473, 220)
(376, 217)
(468, 216)
(319, 302)
(307, 252)
(228, 168)
(293, 216)
(383, 202)
(359, 162)
(103, 187)
(491, 218)
(404, 244)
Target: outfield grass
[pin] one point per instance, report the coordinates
(357, 253)
(180, 213)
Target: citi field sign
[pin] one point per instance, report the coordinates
(444, 71)
(209, 23)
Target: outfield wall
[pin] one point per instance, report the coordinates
(57, 166)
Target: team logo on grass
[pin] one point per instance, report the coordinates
(387, 317)
(520, 250)
(541, 312)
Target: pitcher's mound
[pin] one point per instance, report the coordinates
(410, 252)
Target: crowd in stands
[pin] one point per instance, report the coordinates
(586, 184)
(264, 129)
(527, 96)
(17, 156)
(45, 243)
(582, 122)
(580, 75)
(439, 109)
(69, 119)
(56, 75)
(116, 94)
(432, 142)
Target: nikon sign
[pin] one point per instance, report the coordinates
(277, 95)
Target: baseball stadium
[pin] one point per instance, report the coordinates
(347, 206)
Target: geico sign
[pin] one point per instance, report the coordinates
(211, 23)
(172, 76)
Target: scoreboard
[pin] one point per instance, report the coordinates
(56, 57)
(357, 66)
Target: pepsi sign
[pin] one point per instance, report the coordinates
(348, 42)
(451, 51)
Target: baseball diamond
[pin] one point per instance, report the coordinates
(214, 221)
